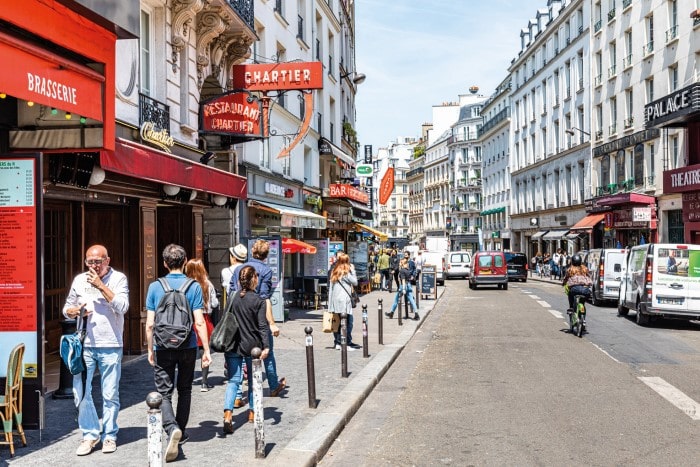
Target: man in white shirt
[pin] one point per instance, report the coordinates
(237, 256)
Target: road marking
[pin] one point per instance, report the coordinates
(543, 303)
(673, 395)
(534, 296)
(556, 314)
(606, 353)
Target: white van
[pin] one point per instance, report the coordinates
(661, 279)
(457, 264)
(437, 259)
(607, 265)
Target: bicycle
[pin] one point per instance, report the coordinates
(577, 316)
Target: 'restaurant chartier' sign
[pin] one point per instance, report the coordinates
(160, 138)
(673, 107)
(236, 113)
(682, 180)
(278, 76)
(342, 190)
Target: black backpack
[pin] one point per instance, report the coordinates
(173, 319)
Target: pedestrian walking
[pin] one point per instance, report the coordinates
(404, 289)
(104, 294)
(195, 269)
(420, 261)
(237, 255)
(250, 311)
(174, 367)
(394, 265)
(384, 270)
(342, 282)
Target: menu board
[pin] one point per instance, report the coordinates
(359, 256)
(18, 261)
(317, 265)
(274, 261)
(333, 248)
(428, 281)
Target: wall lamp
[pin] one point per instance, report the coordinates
(570, 132)
(219, 200)
(171, 190)
(357, 78)
(209, 156)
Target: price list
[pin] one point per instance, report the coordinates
(18, 261)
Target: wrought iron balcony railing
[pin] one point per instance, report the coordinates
(245, 10)
(611, 14)
(151, 110)
(598, 25)
(648, 48)
(672, 33)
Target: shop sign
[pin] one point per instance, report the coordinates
(626, 142)
(236, 113)
(683, 179)
(641, 214)
(625, 219)
(368, 153)
(364, 170)
(343, 190)
(160, 138)
(278, 76)
(691, 207)
(674, 105)
(313, 200)
(386, 187)
(278, 190)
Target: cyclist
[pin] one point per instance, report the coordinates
(577, 280)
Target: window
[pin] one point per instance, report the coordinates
(650, 89)
(613, 115)
(629, 108)
(599, 68)
(146, 46)
(604, 170)
(674, 146)
(672, 78)
(627, 62)
(612, 50)
(649, 47)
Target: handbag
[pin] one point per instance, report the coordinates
(354, 298)
(331, 322)
(226, 333)
(210, 328)
(71, 347)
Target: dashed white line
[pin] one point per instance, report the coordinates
(556, 314)
(543, 303)
(606, 353)
(534, 296)
(674, 395)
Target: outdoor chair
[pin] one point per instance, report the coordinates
(11, 401)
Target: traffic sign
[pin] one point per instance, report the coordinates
(364, 170)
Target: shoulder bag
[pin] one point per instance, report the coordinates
(354, 299)
(226, 332)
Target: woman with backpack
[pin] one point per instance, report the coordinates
(253, 331)
(194, 269)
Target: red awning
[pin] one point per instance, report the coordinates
(588, 222)
(292, 245)
(626, 198)
(137, 160)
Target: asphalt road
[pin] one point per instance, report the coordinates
(494, 378)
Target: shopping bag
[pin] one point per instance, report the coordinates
(331, 321)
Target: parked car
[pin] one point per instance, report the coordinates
(436, 258)
(518, 266)
(661, 279)
(457, 264)
(489, 268)
(607, 265)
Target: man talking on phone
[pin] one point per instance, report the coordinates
(104, 293)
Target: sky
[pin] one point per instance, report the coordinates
(417, 54)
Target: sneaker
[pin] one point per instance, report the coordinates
(280, 387)
(205, 388)
(354, 346)
(109, 446)
(172, 451)
(337, 347)
(351, 349)
(85, 446)
(185, 438)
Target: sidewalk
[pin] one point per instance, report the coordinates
(295, 435)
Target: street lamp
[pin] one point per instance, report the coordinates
(570, 132)
(357, 78)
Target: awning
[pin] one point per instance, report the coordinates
(137, 160)
(538, 235)
(292, 245)
(556, 234)
(361, 211)
(588, 222)
(292, 217)
(492, 211)
(326, 147)
(625, 198)
(382, 236)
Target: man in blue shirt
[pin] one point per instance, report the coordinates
(166, 361)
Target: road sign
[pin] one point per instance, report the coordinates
(364, 170)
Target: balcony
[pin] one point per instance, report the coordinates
(645, 183)
(599, 135)
(648, 49)
(153, 111)
(629, 122)
(598, 80)
(672, 34)
(626, 3)
(627, 61)
(612, 130)
(611, 15)
(598, 25)
(612, 72)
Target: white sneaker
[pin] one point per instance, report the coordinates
(337, 347)
(85, 447)
(172, 450)
(350, 349)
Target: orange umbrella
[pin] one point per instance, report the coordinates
(292, 245)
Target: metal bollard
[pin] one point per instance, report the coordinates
(365, 337)
(405, 302)
(155, 429)
(380, 324)
(310, 372)
(259, 416)
(344, 345)
(417, 294)
(398, 308)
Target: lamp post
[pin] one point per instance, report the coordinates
(357, 78)
(570, 132)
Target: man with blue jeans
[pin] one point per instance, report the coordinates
(259, 252)
(104, 293)
(165, 362)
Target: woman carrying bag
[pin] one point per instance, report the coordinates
(342, 281)
(194, 269)
(253, 331)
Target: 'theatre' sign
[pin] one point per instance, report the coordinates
(278, 76)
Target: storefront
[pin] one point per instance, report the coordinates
(630, 221)
(587, 233)
(681, 186)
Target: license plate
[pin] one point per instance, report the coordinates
(488, 271)
(670, 301)
(613, 289)
(513, 271)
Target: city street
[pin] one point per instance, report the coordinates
(494, 378)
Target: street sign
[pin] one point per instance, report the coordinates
(364, 170)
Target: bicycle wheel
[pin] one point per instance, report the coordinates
(579, 331)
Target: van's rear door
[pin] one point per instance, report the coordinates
(675, 287)
(614, 264)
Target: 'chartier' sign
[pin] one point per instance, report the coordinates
(235, 113)
(278, 76)
(342, 190)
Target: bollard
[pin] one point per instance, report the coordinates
(65, 382)
(155, 429)
(365, 337)
(259, 414)
(380, 324)
(401, 297)
(417, 294)
(310, 372)
(344, 345)
(405, 301)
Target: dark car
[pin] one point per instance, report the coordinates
(517, 266)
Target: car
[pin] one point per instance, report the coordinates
(518, 266)
(437, 259)
(489, 268)
(457, 264)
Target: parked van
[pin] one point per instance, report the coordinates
(489, 268)
(607, 265)
(457, 264)
(437, 259)
(661, 279)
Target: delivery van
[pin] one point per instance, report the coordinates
(437, 259)
(489, 268)
(661, 279)
(607, 266)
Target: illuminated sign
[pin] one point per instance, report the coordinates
(342, 190)
(278, 76)
(237, 113)
(160, 138)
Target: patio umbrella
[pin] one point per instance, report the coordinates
(292, 245)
